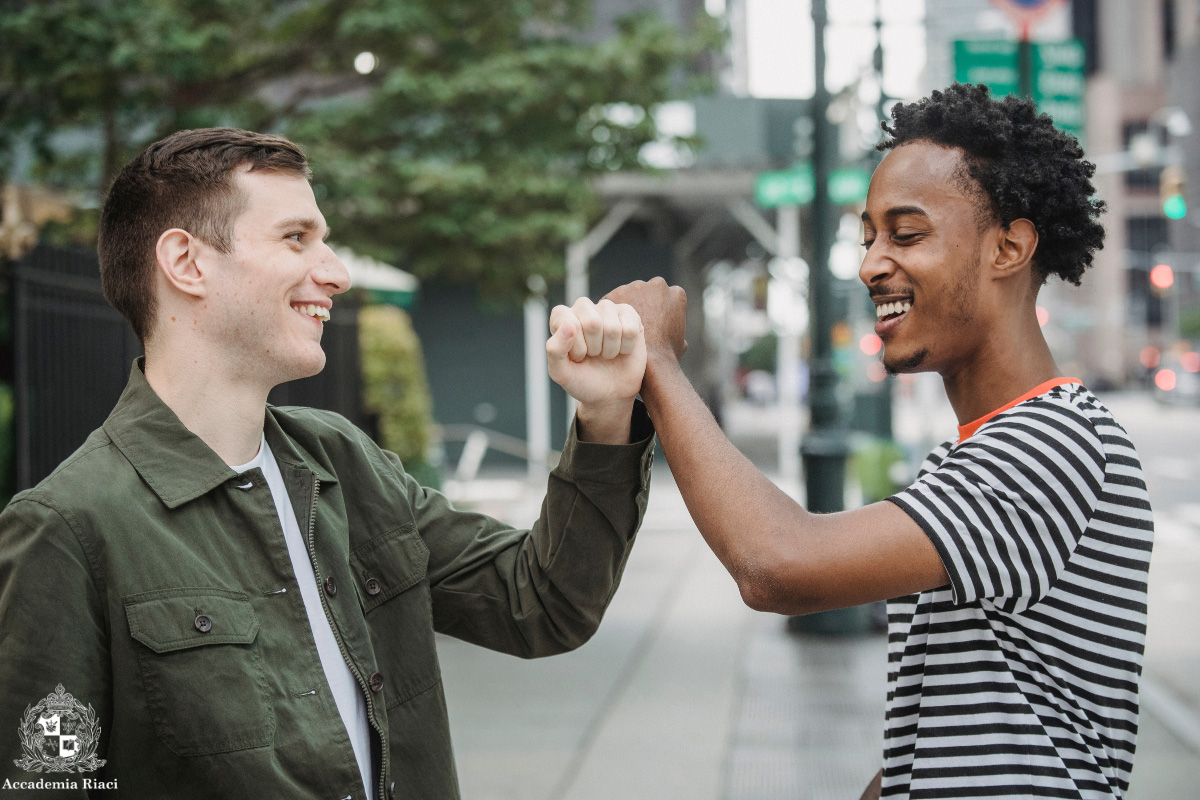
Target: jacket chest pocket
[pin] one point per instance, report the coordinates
(202, 672)
(390, 578)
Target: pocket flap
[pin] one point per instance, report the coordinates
(175, 619)
(388, 564)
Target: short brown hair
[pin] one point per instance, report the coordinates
(184, 181)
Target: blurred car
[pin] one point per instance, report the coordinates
(1177, 379)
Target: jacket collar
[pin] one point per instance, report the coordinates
(175, 463)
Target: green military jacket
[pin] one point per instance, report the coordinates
(159, 594)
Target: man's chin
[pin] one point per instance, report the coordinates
(905, 364)
(306, 366)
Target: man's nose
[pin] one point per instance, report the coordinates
(875, 267)
(332, 272)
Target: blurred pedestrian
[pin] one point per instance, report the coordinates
(214, 597)
(1016, 564)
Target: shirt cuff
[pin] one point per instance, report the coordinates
(611, 463)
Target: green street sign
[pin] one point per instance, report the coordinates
(848, 185)
(787, 187)
(1058, 78)
(1059, 84)
(988, 61)
(795, 186)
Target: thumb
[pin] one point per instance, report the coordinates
(558, 346)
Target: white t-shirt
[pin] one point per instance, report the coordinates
(345, 690)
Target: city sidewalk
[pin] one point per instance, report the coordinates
(686, 694)
(683, 694)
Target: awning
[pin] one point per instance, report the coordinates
(379, 282)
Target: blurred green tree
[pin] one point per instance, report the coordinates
(463, 153)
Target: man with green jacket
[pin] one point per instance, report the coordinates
(215, 598)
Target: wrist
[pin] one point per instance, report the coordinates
(605, 423)
(662, 367)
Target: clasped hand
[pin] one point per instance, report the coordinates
(597, 353)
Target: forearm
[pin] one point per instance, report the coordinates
(750, 524)
(543, 591)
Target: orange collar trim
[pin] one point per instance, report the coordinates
(965, 431)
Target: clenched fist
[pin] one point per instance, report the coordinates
(663, 310)
(597, 353)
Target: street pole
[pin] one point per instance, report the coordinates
(1025, 60)
(576, 287)
(881, 109)
(787, 366)
(537, 387)
(825, 447)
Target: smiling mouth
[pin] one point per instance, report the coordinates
(889, 311)
(319, 313)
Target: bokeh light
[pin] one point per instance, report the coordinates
(1150, 357)
(1165, 379)
(870, 344)
(1162, 277)
(365, 63)
(1190, 361)
(1043, 316)
(876, 372)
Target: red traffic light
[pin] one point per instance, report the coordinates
(1162, 277)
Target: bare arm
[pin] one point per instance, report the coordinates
(783, 558)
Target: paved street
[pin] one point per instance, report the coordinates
(686, 693)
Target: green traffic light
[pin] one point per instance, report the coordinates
(1175, 207)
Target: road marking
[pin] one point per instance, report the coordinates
(1175, 715)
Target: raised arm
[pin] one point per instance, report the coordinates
(543, 591)
(783, 558)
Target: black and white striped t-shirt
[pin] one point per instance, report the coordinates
(1020, 678)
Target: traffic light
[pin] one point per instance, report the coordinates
(1171, 184)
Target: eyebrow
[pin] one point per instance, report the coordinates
(307, 223)
(899, 211)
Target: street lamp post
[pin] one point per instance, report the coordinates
(825, 447)
(824, 450)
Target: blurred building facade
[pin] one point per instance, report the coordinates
(1143, 60)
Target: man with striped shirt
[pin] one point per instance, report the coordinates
(1016, 564)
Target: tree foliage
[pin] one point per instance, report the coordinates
(464, 154)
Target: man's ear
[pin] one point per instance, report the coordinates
(1015, 247)
(176, 254)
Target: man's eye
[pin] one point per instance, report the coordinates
(901, 238)
(867, 243)
(295, 237)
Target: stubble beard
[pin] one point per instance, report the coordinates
(962, 305)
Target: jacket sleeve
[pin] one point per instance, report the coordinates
(53, 633)
(542, 591)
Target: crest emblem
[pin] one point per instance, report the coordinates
(59, 735)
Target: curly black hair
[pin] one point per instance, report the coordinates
(1025, 167)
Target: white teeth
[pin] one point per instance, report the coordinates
(888, 309)
(313, 310)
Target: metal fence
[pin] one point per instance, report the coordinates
(73, 354)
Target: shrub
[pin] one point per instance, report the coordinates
(395, 389)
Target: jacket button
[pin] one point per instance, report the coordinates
(373, 587)
(392, 789)
(375, 681)
(203, 623)
(330, 586)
